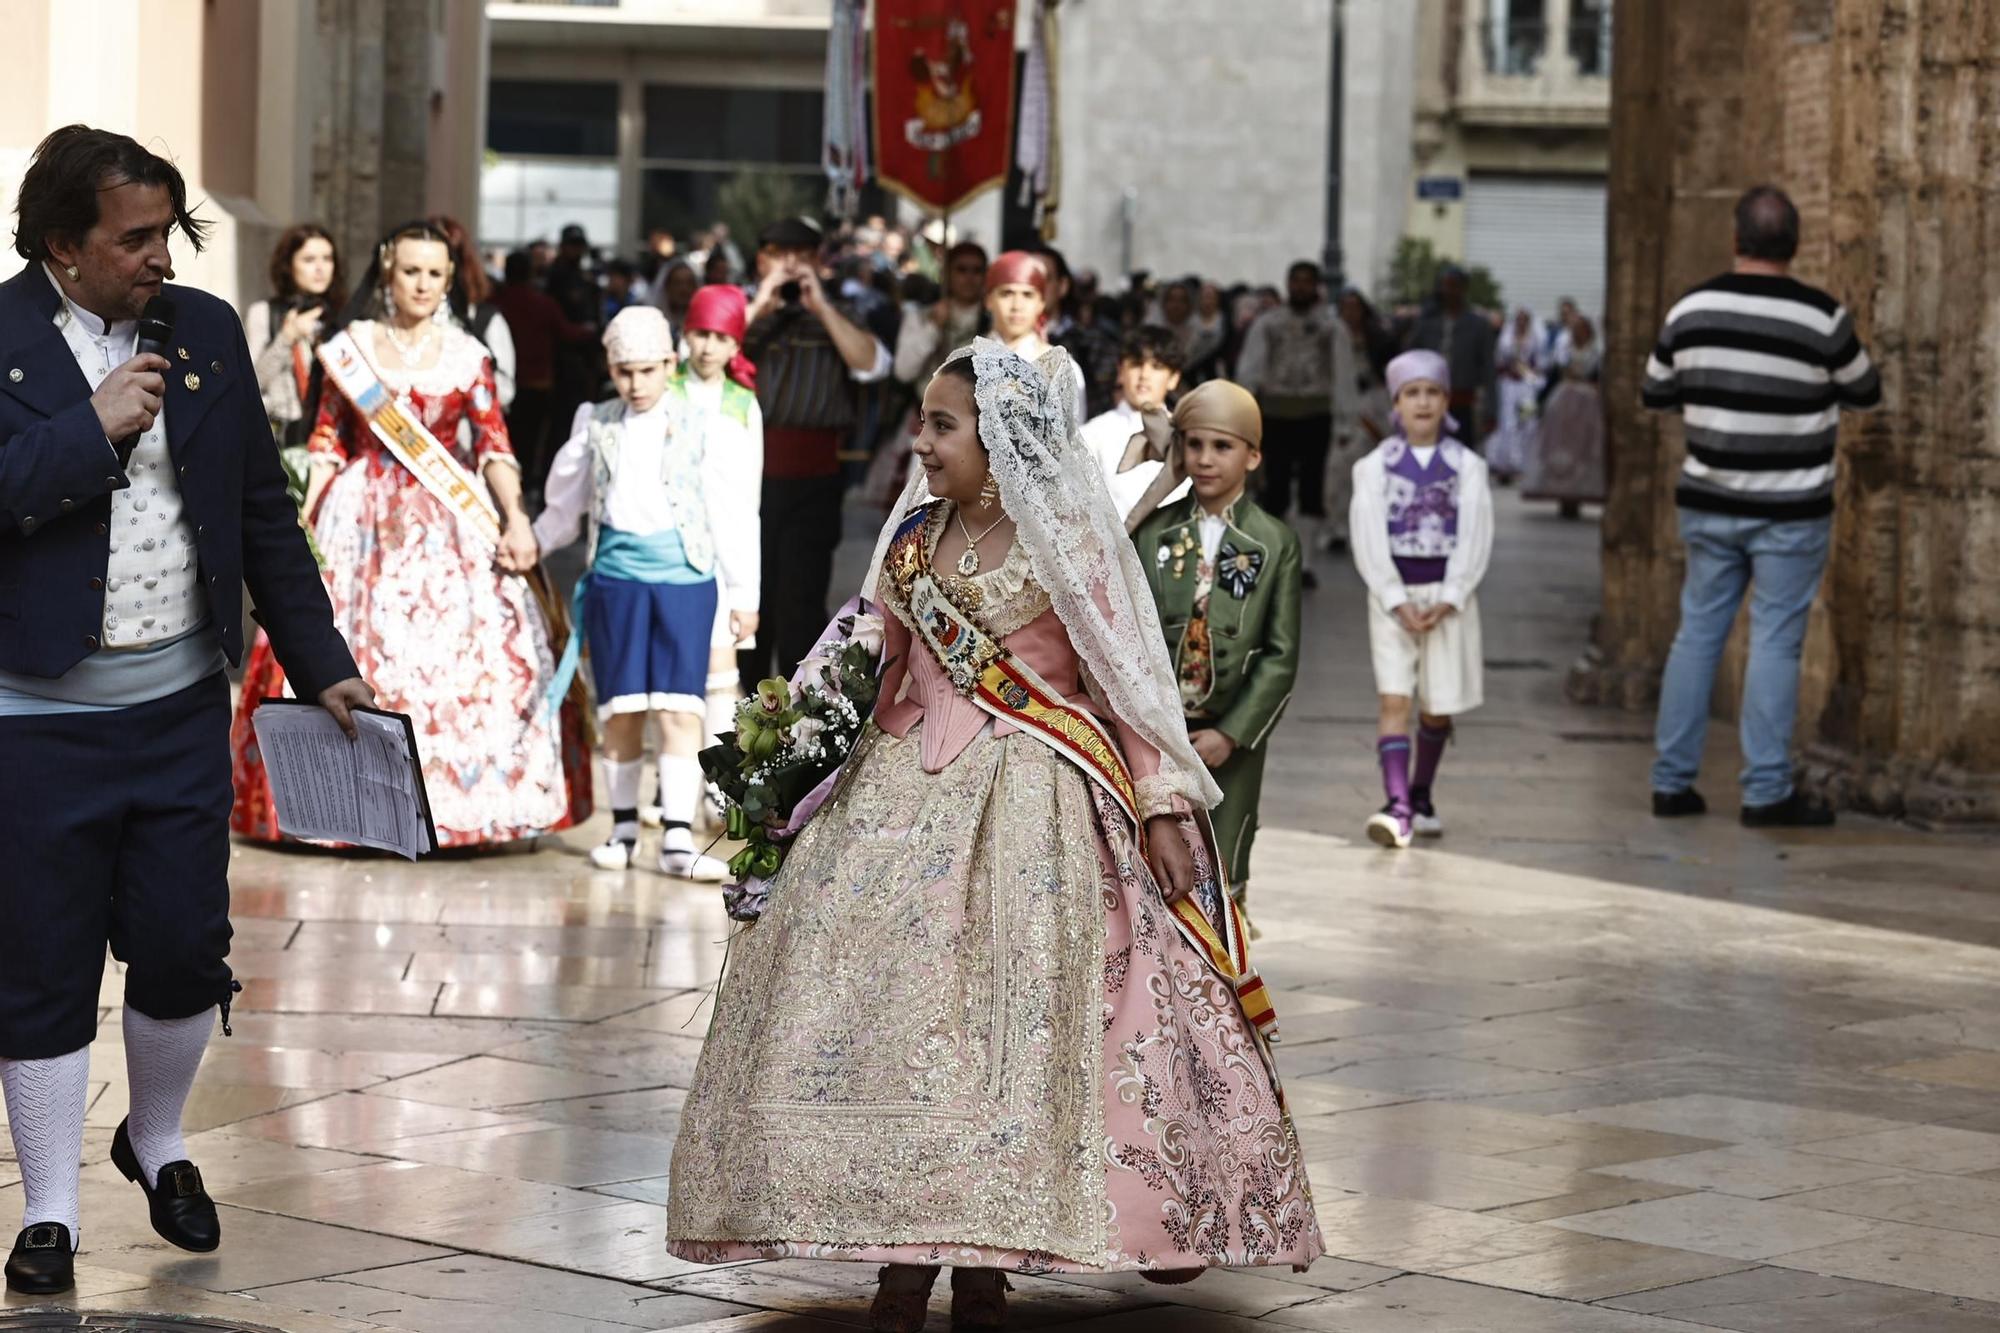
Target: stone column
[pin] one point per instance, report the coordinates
(1873, 114)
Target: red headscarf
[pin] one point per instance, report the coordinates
(1019, 266)
(719, 308)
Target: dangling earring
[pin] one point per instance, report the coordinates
(71, 270)
(989, 494)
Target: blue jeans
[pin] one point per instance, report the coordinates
(1780, 564)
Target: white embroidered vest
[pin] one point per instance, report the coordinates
(680, 473)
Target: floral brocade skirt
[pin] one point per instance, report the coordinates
(966, 1032)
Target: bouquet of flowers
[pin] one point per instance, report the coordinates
(791, 740)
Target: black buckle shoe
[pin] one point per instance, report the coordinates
(43, 1262)
(182, 1212)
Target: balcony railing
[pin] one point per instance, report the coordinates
(1519, 48)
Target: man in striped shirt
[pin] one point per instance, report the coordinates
(1759, 365)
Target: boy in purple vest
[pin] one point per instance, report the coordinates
(1421, 528)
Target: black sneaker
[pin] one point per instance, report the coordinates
(1795, 811)
(1678, 804)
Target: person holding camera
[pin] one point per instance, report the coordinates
(307, 288)
(811, 350)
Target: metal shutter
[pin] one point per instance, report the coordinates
(1541, 236)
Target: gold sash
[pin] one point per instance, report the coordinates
(408, 440)
(980, 667)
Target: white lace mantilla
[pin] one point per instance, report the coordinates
(1075, 542)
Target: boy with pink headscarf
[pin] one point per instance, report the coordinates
(1421, 528)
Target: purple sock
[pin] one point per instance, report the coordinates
(1430, 753)
(1394, 752)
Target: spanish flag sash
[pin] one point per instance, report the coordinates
(982, 669)
(407, 439)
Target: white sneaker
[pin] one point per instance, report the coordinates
(616, 854)
(1386, 828)
(1427, 825)
(692, 865)
(651, 816)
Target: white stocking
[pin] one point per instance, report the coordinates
(623, 779)
(721, 712)
(161, 1058)
(680, 795)
(45, 1105)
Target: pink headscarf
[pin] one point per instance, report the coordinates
(721, 308)
(1415, 367)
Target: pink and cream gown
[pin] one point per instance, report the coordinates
(965, 1030)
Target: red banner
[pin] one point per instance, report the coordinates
(944, 98)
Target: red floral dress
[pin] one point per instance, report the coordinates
(436, 628)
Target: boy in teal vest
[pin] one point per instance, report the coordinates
(1226, 578)
(665, 553)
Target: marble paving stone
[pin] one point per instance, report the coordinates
(1979, 1028)
(1332, 1274)
(231, 1061)
(1460, 1127)
(258, 1248)
(231, 1161)
(1734, 1119)
(1448, 1179)
(1967, 1069)
(485, 1083)
(1753, 1171)
(419, 1200)
(554, 1154)
(657, 1057)
(277, 964)
(1938, 1148)
(1310, 1097)
(528, 969)
(584, 1004)
(311, 995)
(398, 1034)
(1783, 1300)
(653, 1189)
(1594, 1271)
(767, 1322)
(1420, 1237)
(1614, 1192)
(475, 1294)
(1954, 1263)
(652, 1111)
(617, 1239)
(168, 1298)
(1720, 1225)
(1160, 1319)
(351, 1121)
(1417, 1304)
(1442, 1076)
(1953, 1203)
(685, 1015)
(1251, 1293)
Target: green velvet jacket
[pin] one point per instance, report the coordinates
(1253, 610)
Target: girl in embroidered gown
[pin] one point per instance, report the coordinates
(969, 1029)
(448, 630)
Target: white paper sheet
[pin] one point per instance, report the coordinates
(363, 792)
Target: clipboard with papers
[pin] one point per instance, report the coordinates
(366, 792)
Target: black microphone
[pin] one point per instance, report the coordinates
(156, 334)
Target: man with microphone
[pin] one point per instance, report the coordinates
(139, 488)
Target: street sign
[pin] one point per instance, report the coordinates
(1441, 189)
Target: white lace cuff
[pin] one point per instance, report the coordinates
(1158, 797)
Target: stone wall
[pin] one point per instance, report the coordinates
(1882, 118)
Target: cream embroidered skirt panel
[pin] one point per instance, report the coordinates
(965, 1032)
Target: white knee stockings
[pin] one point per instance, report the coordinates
(45, 1104)
(161, 1059)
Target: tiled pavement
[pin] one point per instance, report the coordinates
(1571, 1070)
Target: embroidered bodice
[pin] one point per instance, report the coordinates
(454, 399)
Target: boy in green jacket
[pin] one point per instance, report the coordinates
(1226, 578)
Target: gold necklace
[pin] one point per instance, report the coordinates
(968, 564)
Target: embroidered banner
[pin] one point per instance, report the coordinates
(408, 440)
(944, 98)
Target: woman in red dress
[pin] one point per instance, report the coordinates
(444, 627)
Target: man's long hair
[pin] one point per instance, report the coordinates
(70, 168)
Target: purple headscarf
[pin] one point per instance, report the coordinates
(1411, 367)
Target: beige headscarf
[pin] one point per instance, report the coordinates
(1218, 405)
(636, 334)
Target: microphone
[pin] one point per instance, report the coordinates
(156, 333)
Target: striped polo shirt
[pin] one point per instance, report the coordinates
(1759, 368)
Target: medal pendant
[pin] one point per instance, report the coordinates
(968, 564)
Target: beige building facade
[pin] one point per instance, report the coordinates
(354, 113)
